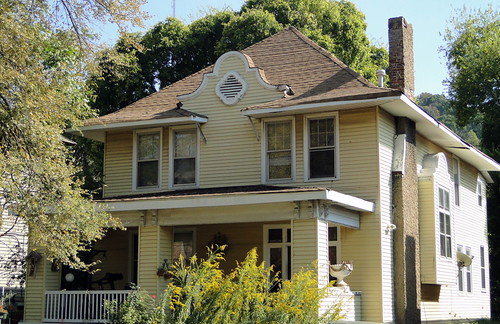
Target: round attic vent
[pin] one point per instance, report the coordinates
(231, 88)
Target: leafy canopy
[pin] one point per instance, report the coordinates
(43, 68)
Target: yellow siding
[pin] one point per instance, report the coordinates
(155, 245)
(427, 217)
(118, 166)
(241, 238)
(36, 285)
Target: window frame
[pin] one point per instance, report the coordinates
(264, 151)
(335, 243)
(171, 158)
(480, 193)
(135, 160)
(183, 230)
(336, 160)
(456, 179)
(445, 210)
(483, 267)
(284, 245)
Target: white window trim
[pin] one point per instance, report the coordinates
(336, 243)
(483, 268)
(267, 246)
(448, 212)
(456, 184)
(264, 164)
(480, 192)
(135, 161)
(171, 136)
(469, 280)
(336, 161)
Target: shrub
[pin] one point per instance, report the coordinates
(199, 292)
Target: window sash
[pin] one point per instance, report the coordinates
(185, 151)
(445, 234)
(321, 147)
(147, 156)
(279, 150)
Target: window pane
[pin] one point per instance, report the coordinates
(448, 246)
(321, 164)
(460, 279)
(289, 235)
(147, 173)
(276, 261)
(185, 143)
(441, 223)
(148, 146)
(332, 254)
(483, 278)
(280, 165)
(321, 132)
(447, 200)
(332, 233)
(289, 262)
(278, 135)
(183, 245)
(275, 235)
(442, 245)
(441, 198)
(469, 281)
(184, 171)
(448, 227)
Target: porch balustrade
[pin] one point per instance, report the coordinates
(80, 306)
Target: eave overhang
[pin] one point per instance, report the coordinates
(98, 131)
(399, 106)
(236, 199)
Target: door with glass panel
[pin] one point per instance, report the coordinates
(278, 250)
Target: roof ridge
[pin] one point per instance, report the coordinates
(332, 57)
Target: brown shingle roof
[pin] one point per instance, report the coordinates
(287, 57)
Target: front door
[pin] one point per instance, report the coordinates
(278, 249)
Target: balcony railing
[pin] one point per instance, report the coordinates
(80, 306)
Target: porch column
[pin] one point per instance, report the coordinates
(310, 245)
(155, 245)
(42, 279)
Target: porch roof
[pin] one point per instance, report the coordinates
(230, 196)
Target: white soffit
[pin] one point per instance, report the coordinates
(235, 199)
(438, 133)
(98, 132)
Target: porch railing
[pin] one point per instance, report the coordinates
(80, 306)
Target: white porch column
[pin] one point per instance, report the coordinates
(310, 245)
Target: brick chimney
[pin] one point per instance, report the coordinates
(401, 71)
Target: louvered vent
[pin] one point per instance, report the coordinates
(231, 88)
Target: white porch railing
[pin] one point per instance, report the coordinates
(80, 306)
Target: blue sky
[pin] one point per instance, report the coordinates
(428, 17)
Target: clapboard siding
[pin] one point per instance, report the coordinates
(18, 234)
(386, 133)
(468, 230)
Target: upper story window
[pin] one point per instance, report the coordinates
(279, 150)
(184, 157)
(147, 159)
(444, 222)
(480, 193)
(321, 147)
(456, 180)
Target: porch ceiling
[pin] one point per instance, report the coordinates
(233, 196)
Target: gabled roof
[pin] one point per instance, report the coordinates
(287, 57)
(319, 82)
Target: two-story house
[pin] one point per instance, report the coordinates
(282, 147)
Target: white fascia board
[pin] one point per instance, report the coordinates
(315, 107)
(346, 201)
(350, 202)
(97, 132)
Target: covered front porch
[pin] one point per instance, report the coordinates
(290, 231)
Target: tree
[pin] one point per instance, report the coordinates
(473, 54)
(439, 107)
(43, 69)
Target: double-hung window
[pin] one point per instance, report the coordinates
(480, 193)
(483, 267)
(279, 150)
(321, 149)
(184, 157)
(147, 159)
(444, 222)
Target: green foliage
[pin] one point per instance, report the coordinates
(473, 53)
(439, 107)
(43, 92)
(200, 292)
